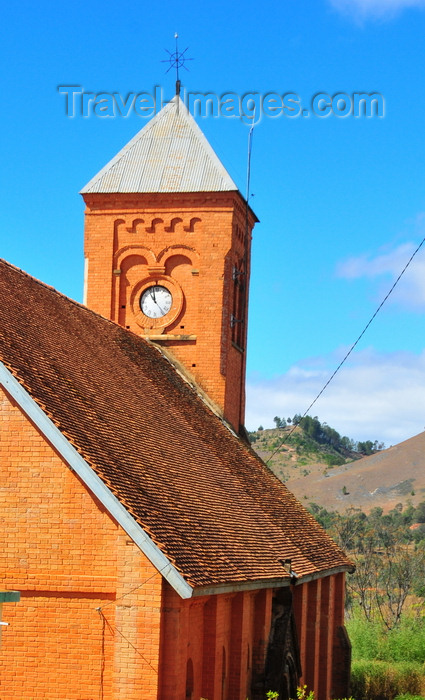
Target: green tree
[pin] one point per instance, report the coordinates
(389, 566)
(420, 512)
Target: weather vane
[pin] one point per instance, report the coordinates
(177, 60)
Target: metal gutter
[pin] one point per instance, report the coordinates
(280, 582)
(111, 503)
(239, 586)
(94, 483)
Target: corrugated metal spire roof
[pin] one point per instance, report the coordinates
(170, 154)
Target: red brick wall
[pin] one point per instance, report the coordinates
(219, 636)
(191, 243)
(319, 613)
(67, 556)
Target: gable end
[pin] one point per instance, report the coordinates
(93, 482)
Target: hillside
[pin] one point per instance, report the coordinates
(312, 472)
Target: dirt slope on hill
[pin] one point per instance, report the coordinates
(391, 476)
(384, 479)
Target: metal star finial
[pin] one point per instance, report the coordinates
(177, 60)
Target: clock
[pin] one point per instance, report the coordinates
(156, 301)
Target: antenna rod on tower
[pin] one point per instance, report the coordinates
(248, 179)
(246, 242)
(248, 167)
(177, 60)
(178, 83)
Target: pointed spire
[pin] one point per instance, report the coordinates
(170, 154)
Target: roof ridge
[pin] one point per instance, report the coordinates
(211, 505)
(183, 373)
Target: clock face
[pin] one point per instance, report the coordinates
(156, 301)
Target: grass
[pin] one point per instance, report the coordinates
(383, 680)
(388, 664)
(373, 641)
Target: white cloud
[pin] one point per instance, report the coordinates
(410, 290)
(375, 9)
(375, 397)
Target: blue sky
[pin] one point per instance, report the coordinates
(341, 201)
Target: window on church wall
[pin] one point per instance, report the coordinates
(248, 667)
(223, 675)
(132, 268)
(189, 679)
(238, 306)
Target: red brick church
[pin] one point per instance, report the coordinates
(156, 556)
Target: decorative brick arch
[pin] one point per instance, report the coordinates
(135, 224)
(178, 249)
(156, 223)
(174, 225)
(194, 222)
(131, 250)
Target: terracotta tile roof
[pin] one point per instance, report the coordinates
(201, 494)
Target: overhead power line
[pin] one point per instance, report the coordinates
(352, 347)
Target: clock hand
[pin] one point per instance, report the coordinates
(160, 308)
(153, 296)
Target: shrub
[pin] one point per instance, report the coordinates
(366, 637)
(407, 642)
(371, 640)
(380, 680)
(334, 460)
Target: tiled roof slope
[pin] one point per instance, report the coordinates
(202, 495)
(170, 154)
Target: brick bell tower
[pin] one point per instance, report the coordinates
(167, 251)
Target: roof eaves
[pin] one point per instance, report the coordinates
(344, 568)
(93, 482)
(236, 586)
(281, 582)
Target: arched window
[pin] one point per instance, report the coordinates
(189, 679)
(223, 675)
(237, 320)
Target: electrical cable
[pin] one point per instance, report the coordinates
(113, 628)
(113, 602)
(352, 347)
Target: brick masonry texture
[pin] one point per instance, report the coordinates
(172, 463)
(193, 243)
(203, 496)
(68, 557)
(96, 619)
